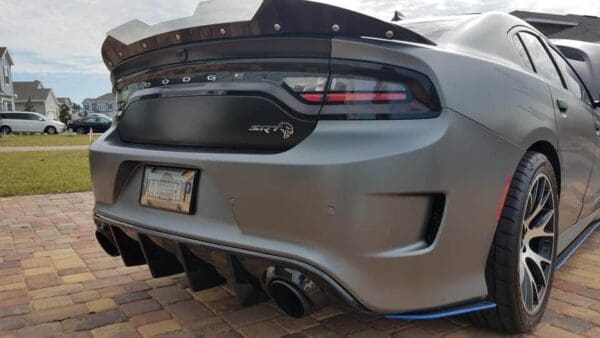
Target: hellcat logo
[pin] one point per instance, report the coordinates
(286, 129)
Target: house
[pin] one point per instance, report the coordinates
(32, 96)
(66, 101)
(72, 108)
(7, 96)
(573, 27)
(105, 104)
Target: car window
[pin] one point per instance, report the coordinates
(541, 60)
(572, 81)
(522, 53)
(20, 116)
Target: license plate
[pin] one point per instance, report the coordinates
(169, 189)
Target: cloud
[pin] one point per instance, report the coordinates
(384, 9)
(65, 36)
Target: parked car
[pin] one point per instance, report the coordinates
(304, 152)
(27, 122)
(98, 124)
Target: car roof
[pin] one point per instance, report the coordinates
(483, 35)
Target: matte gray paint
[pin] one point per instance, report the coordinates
(278, 204)
(281, 201)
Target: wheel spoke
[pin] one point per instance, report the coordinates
(538, 228)
(527, 289)
(537, 247)
(537, 258)
(535, 294)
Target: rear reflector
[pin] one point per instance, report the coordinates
(503, 198)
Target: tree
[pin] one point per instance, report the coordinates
(29, 106)
(76, 109)
(65, 113)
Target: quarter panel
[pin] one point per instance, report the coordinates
(511, 102)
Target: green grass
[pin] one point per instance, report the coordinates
(34, 173)
(45, 140)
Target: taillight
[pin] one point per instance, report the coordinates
(365, 97)
(329, 89)
(368, 91)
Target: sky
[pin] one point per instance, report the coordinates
(58, 41)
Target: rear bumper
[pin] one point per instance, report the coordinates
(353, 204)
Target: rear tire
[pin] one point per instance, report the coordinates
(5, 130)
(520, 266)
(51, 130)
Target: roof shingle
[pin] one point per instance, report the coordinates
(30, 89)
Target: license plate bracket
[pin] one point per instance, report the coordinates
(169, 188)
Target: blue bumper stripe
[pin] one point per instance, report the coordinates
(446, 313)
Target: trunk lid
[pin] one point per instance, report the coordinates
(229, 76)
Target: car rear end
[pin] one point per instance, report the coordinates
(295, 150)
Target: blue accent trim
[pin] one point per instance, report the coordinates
(446, 313)
(576, 244)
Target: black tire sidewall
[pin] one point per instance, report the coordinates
(51, 130)
(3, 129)
(540, 165)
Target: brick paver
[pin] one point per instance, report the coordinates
(56, 281)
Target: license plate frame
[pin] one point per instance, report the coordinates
(176, 193)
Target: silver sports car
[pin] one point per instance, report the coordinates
(307, 153)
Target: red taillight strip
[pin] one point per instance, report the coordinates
(313, 97)
(369, 97)
(354, 97)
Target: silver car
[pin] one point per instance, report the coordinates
(307, 153)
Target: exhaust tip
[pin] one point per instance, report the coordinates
(107, 244)
(289, 299)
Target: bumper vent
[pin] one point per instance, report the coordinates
(437, 213)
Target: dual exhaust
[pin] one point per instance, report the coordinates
(291, 290)
(106, 240)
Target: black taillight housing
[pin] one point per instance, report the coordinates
(314, 88)
(370, 91)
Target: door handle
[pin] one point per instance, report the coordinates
(563, 106)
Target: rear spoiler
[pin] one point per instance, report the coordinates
(227, 19)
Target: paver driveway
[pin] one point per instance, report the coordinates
(55, 280)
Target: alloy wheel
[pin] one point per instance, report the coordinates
(537, 244)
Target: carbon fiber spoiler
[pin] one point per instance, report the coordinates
(227, 19)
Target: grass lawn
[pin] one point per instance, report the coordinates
(33, 173)
(45, 140)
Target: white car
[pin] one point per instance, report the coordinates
(27, 122)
